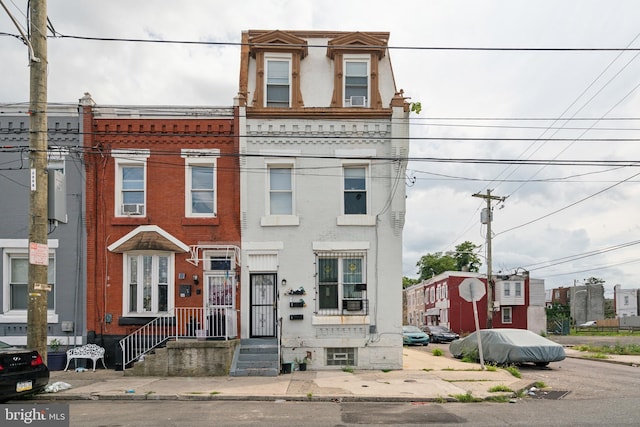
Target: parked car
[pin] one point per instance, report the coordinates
(412, 335)
(509, 346)
(589, 323)
(440, 333)
(22, 372)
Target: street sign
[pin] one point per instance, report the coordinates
(471, 289)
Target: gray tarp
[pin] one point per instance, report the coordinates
(509, 346)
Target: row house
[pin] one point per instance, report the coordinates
(323, 158)
(626, 301)
(163, 232)
(66, 265)
(518, 302)
(414, 303)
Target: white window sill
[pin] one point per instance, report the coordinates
(21, 317)
(361, 220)
(320, 320)
(280, 220)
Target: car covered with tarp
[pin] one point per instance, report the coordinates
(509, 346)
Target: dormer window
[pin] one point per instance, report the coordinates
(356, 83)
(278, 82)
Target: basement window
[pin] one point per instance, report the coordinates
(341, 356)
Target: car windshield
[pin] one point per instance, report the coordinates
(410, 329)
(438, 329)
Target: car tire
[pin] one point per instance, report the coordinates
(541, 364)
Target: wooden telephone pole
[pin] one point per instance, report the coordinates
(38, 215)
(488, 218)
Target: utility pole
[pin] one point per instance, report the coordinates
(486, 218)
(38, 215)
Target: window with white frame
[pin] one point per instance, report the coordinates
(356, 82)
(518, 289)
(280, 190)
(201, 182)
(341, 283)
(131, 182)
(506, 315)
(355, 190)
(506, 289)
(150, 286)
(278, 82)
(17, 264)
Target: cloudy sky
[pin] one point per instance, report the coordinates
(570, 117)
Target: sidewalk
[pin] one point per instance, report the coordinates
(424, 378)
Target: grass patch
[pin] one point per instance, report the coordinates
(502, 398)
(540, 384)
(596, 356)
(491, 368)
(513, 370)
(386, 370)
(427, 369)
(471, 357)
(309, 396)
(348, 369)
(213, 393)
(619, 349)
(500, 388)
(440, 399)
(437, 352)
(466, 398)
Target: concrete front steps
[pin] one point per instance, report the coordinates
(256, 357)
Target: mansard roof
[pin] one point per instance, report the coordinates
(358, 42)
(278, 41)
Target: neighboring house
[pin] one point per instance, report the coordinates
(626, 301)
(163, 231)
(586, 303)
(518, 302)
(323, 158)
(414, 296)
(560, 296)
(66, 239)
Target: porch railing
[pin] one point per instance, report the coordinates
(182, 323)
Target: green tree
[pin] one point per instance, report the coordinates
(466, 258)
(408, 281)
(463, 259)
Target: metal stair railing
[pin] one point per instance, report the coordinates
(182, 322)
(148, 337)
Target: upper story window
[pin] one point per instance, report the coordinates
(280, 190)
(278, 83)
(200, 182)
(356, 83)
(507, 289)
(355, 190)
(131, 182)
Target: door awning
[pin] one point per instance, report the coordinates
(433, 312)
(148, 238)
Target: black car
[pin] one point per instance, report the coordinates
(440, 333)
(22, 372)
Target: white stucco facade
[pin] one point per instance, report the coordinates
(316, 146)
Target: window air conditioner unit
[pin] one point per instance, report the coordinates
(358, 101)
(133, 209)
(352, 305)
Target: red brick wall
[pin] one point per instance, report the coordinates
(165, 200)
